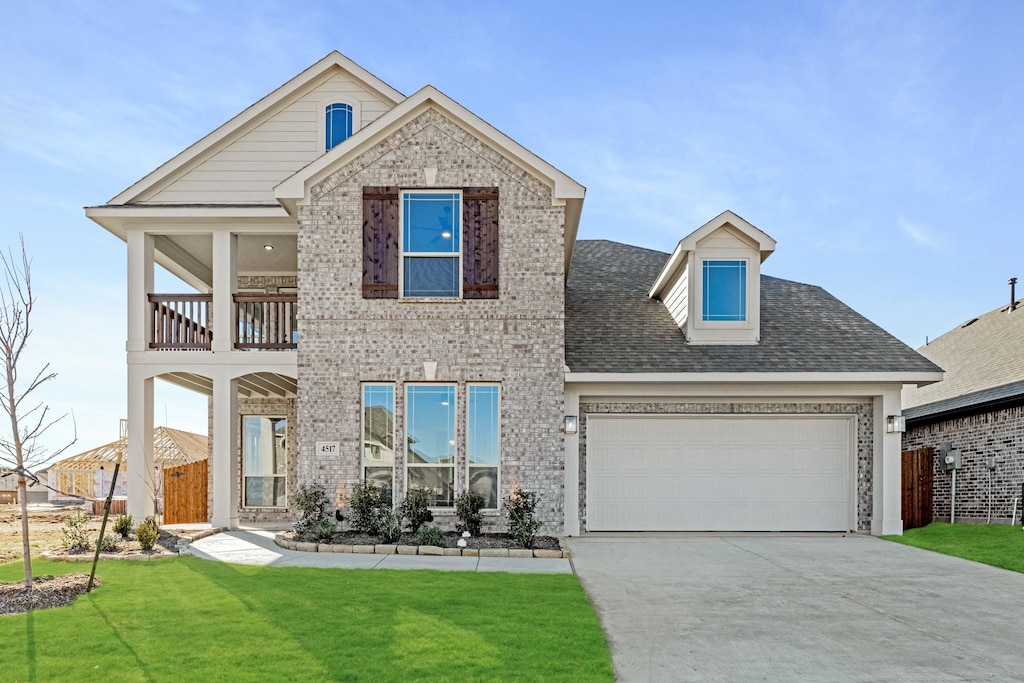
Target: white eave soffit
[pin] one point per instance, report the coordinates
(294, 189)
(765, 245)
(252, 113)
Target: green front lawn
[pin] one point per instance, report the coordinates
(999, 545)
(189, 619)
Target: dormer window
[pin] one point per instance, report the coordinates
(725, 291)
(338, 124)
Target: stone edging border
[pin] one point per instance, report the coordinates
(384, 549)
(182, 546)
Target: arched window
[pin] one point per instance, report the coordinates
(339, 124)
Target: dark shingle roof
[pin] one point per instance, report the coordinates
(985, 400)
(612, 326)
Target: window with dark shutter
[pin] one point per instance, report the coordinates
(380, 242)
(480, 243)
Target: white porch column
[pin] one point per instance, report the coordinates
(225, 281)
(140, 445)
(225, 452)
(140, 284)
(888, 499)
(572, 466)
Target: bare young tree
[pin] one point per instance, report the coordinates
(22, 451)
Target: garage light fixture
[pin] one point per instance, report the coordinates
(571, 424)
(895, 424)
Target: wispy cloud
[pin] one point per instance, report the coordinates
(920, 234)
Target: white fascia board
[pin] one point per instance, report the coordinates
(207, 363)
(294, 190)
(668, 272)
(753, 377)
(765, 243)
(181, 219)
(253, 112)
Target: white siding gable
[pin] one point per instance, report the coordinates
(247, 166)
(677, 299)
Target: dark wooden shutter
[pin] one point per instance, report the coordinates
(480, 243)
(380, 242)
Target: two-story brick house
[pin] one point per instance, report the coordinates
(389, 288)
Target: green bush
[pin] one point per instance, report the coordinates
(522, 525)
(109, 544)
(430, 535)
(76, 535)
(315, 522)
(416, 508)
(148, 533)
(366, 501)
(389, 525)
(467, 508)
(123, 525)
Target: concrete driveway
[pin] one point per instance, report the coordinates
(770, 607)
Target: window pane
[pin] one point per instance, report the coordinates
(339, 124)
(484, 480)
(725, 290)
(483, 438)
(264, 460)
(431, 276)
(264, 492)
(378, 425)
(382, 477)
(439, 480)
(430, 424)
(431, 222)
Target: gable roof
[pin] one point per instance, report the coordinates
(612, 326)
(983, 363)
(333, 60)
(565, 190)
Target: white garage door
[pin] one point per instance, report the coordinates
(724, 473)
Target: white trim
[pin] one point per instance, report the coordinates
(295, 189)
(497, 465)
(402, 253)
(252, 113)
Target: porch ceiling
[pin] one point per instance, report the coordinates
(194, 254)
(255, 385)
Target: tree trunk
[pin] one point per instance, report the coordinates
(25, 547)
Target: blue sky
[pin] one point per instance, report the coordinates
(879, 143)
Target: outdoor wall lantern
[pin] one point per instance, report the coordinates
(571, 424)
(895, 424)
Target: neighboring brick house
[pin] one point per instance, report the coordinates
(400, 308)
(978, 409)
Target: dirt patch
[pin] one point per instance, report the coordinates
(45, 528)
(47, 591)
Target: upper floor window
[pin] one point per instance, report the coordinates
(431, 244)
(338, 119)
(725, 290)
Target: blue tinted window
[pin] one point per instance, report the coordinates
(431, 223)
(725, 290)
(339, 124)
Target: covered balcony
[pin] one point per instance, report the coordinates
(260, 322)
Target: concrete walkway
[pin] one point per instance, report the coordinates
(783, 607)
(257, 547)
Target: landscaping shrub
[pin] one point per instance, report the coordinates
(416, 508)
(430, 535)
(76, 536)
(315, 522)
(389, 525)
(467, 509)
(366, 501)
(148, 533)
(123, 525)
(109, 544)
(522, 525)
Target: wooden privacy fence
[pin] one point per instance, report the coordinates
(185, 493)
(917, 488)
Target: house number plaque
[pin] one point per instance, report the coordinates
(328, 447)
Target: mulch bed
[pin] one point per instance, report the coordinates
(451, 539)
(167, 544)
(47, 591)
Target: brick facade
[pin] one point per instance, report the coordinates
(516, 340)
(1000, 434)
(865, 435)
